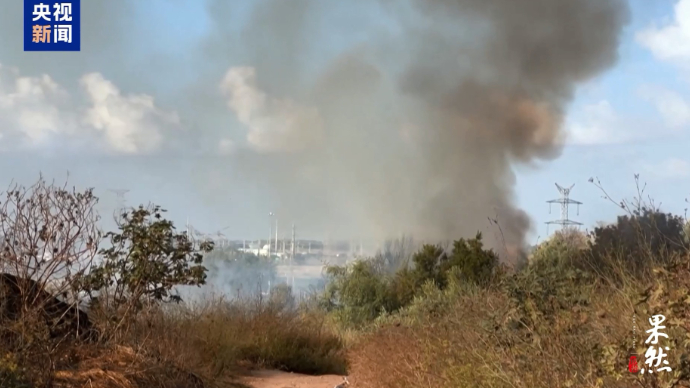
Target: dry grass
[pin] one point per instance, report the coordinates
(121, 367)
(458, 337)
(218, 338)
(206, 344)
(558, 323)
(480, 341)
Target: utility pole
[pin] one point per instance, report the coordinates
(276, 235)
(565, 202)
(270, 234)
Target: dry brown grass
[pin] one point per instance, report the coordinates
(459, 337)
(219, 338)
(121, 367)
(478, 342)
(201, 345)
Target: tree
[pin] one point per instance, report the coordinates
(357, 293)
(362, 291)
(643, 236)
(564, 247)
(476, 264)
(48, 234)
(48, 237)
(146, 259)
(427, 265)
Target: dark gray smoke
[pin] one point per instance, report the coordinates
(359, 119)
(416, 128)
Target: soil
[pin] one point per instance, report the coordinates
(276, 379)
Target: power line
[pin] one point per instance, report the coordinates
(565, 202)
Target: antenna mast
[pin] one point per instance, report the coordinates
(565, 202)
(292, 255)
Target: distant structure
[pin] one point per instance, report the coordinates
(292, 256)
(565, 202)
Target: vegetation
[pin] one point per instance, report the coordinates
(456, 319)
(358, 294)
(53, 267)
(412, 316)
(145, 260)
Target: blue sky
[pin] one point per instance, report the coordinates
(620, 88)
(646, 143)
(632, 119)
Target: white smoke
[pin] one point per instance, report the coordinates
(130, 124)
(274, 125)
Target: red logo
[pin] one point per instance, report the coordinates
(632, 365)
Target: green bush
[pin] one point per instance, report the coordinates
(564, 247)
(145, 260)
(639, 240)
(476, 264)
(547, 287)
(360, 293)
(356, 294)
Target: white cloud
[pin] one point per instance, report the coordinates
(671, 41)
(674, 108)
(274, 125)
(37, 112)
(30, 108)
(596, 124)
(600, 124)
(669, 168)
(131, 124)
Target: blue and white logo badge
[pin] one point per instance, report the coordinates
(52, 26)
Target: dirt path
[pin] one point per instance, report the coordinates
(276, 379)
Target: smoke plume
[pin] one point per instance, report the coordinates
(416, 128)
(353, 119)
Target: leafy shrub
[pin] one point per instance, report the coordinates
(547, 287)
(564, 247)
(11, 374)
(476, 264)
(147, 258)
(359, 293)
(356, 294)
(433, 264)
(644, 237)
